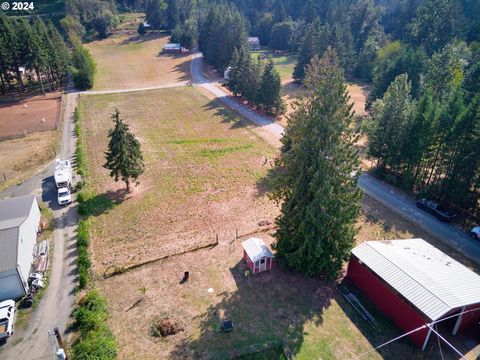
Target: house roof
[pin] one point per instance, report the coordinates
(429, 279)
(256, 249)
(13, 213)
(253, 40)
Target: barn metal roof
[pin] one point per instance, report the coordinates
(256, 249)
(14, 211)
(429, 279)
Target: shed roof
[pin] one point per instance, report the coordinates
(256, 249)
(14, 211)
(429, 279)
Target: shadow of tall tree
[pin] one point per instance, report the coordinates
(268, 312)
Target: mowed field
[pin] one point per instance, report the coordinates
(131, 60)
(202, 165)
(203, 170)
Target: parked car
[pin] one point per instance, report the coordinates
(435, 209)
(64, 196)
(475, 233)
(7, 315)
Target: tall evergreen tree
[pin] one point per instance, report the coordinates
(269, 95)
(388, 123)
(124, 156)
(85, 67)
(307, 50)
(319, 167)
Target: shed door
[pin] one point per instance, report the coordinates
(263, 264)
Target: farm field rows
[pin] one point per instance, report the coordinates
(129, 60)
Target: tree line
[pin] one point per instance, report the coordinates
(31, 52)
(428, 140)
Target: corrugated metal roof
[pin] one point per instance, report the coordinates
(14, 211)
(256, 249)
(8, 248)
(431, 280)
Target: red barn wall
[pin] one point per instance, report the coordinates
(471, 318)
(387, 300)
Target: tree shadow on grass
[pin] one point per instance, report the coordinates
(228, 116)
(96, 205)
(268, 312)
(149, 36)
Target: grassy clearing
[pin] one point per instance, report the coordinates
(133, 61)
(284, 63)
(21, 158)
(202, 165)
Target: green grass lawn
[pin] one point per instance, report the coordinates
(284, 63)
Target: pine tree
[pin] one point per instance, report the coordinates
(269, 95)
(388, 123)
(307, 50)
(319, 167)
(232, 83)
(59, 54)
(124, 156)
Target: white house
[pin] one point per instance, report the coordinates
(254, 43)
(19, 225)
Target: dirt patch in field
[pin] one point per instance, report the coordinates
(23, 116)
(130, 60)
(20, 158)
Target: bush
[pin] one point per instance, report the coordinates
(95, 340)
(85, 68)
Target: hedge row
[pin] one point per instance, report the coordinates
(95, 340)
(83, 260)
(80, 151)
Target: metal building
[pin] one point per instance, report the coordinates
(19, 225)
(414, 283)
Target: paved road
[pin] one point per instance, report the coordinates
(57, 304)
(395, 200)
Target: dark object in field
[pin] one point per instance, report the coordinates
(264, 222)
(166, 327)
(436, 210)
(227, 325)
(186, 275)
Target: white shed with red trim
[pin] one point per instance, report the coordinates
(258, 256)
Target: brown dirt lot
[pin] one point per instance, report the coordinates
(308, 315)
(202, 164)
(127, 61)
(21, 158)
(28, 115)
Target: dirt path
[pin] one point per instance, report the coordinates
(394, 200)
(56, 306)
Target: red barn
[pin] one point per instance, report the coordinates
(258, 256)
(414, 283)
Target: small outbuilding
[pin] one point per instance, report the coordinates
(258, 256)
(19, 225)
(254, 43)
(414, 284)
(172, 48)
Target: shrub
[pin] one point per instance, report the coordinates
(85, 68)
(141, 29)
(95, 340)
